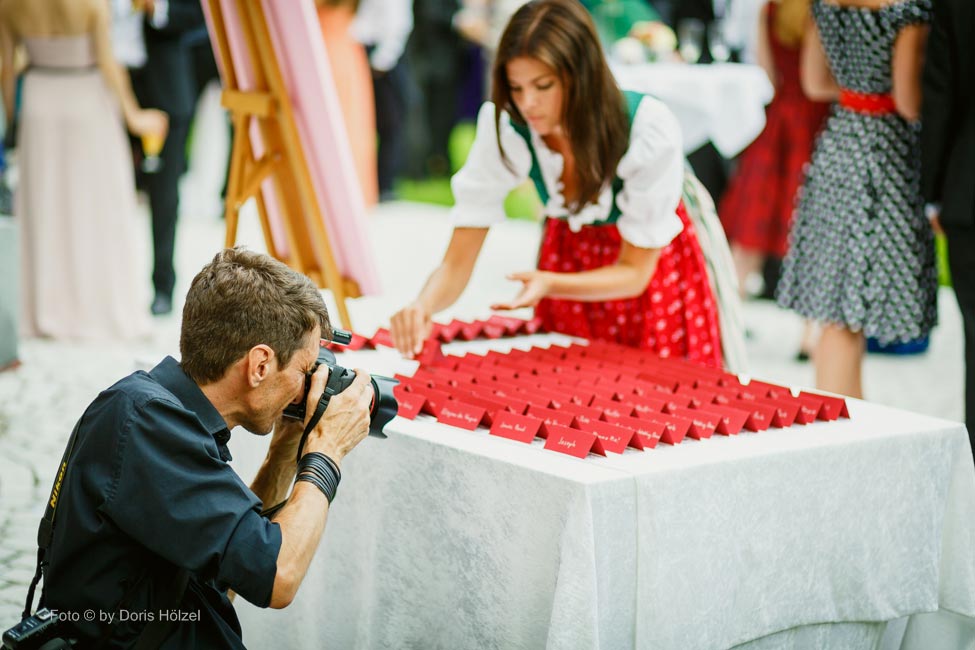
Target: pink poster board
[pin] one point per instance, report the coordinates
(297, 41)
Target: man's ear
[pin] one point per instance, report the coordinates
(260, 360)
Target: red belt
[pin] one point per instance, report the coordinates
(867, 103)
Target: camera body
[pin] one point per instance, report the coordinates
(35, 632)
(384, 405)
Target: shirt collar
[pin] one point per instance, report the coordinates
(172, 377)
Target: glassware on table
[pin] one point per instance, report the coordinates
(152, 144)
(690, 39)
(718, 42)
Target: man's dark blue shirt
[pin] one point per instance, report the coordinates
(148, 490)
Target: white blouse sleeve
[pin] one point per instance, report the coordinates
(652, 171)
(483, 183)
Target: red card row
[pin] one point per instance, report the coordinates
(494, 327)
(600, 398)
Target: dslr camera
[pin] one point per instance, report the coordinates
(41, 631)
(383, 407)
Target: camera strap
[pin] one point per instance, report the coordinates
(45, 531)
(332, 388)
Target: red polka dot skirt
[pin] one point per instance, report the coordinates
(677, 314)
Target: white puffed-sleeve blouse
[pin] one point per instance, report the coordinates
(652, 171)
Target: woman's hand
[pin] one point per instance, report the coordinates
(410, 327)
(147, 121)
(535, 286)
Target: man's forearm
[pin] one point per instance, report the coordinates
(274, 478)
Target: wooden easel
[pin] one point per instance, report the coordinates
(282, 161)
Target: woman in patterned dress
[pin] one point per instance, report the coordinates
(861, 255)
(619, 258)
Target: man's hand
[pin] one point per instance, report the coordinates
(346, 419)
(535, 286)
(410, 327)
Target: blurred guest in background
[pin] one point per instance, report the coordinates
(756, 210)
(76, 196)
(167, 82)
(619, 259)
(861, 253)
(353, 84)
(948, 159)
(384, 27)
(437, 55)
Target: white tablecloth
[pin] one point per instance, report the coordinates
(723, 103)
(799, 537)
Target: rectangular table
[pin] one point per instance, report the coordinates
(811, 536)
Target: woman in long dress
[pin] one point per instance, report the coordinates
(81, 268)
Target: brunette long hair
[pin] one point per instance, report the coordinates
(561, 34)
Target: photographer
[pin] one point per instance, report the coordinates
(148, 494)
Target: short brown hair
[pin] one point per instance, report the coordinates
(561, 34)
(242, 299)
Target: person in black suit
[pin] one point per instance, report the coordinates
(167, 82)
(948, 159)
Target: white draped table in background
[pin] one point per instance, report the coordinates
(720, 102)
(807, 537)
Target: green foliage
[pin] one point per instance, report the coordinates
(941, 258)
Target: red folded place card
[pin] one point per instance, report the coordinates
(450, 331)
(833, 407)
(469, 362)
(648, 432)
(555, 397)
(703, 423)
(571, 441)
(491, 331)
(647, 404)
(614, 438)
(549, 416)
(675, 427)
(611, 409)
(532, 326)
(431, 353)
(522, 428)
(511, 325)
(607, 391)
(771, 390)
(465, 416)
(382, 337)
(785, 410)
(581, 414)
(409, 404)
(669, 383)
(490, 406)
(759, 415)
(730, 419)
(426, 377)
(470, 331)
(435, 399)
